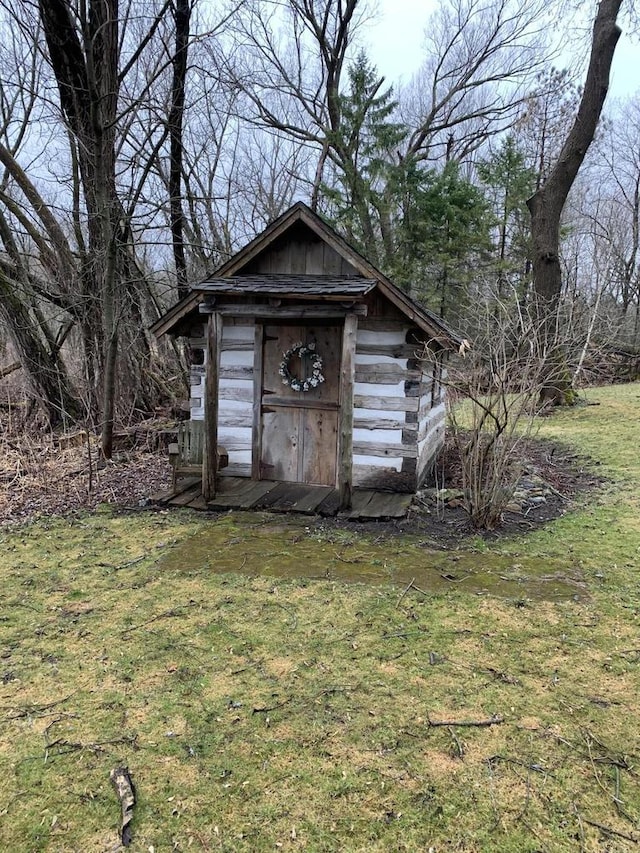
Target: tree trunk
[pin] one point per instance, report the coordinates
(182, 14)
(45, 370)
(86, 71)
(547, 203)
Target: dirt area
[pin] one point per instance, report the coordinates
(553, 477)
(44, 475)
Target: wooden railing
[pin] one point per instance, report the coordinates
(186, 452)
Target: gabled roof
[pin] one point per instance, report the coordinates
(325, 287)
(426, 320)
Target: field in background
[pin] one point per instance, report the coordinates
(259, 713)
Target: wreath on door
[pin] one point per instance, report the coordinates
(303, 352)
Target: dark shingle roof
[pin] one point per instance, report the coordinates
(294, 286)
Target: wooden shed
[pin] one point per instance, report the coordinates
(309, 366)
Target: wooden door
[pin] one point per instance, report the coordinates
(299, 429)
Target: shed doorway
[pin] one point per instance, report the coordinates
(299, 429)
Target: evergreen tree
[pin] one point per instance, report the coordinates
(364, 158)
(510, 182)
(424, 228)
(444, 239)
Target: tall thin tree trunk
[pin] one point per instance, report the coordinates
(181, 14)
(547, 203)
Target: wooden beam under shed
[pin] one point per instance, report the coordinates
(345, 417)
(282, 312)
(210, 450)
(256, 444)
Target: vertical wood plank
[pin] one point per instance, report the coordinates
(210, 450)
(345, 426)
(298, 254)
(320, 437)
(281, 442)
(314, 260)
(256, 433)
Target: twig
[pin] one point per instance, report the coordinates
(454, 738)
(495, 720)
(403, 634)
(121, 565)
(610, 831)
(16, 796)
(536, 768)
(272, 708)
(331, 691)
(346, 559)
(287, 610)
(65, 746)
(406, 590)
(580, 826)
(556, 492)
(453, 579)
(39, 710)
(166, 614)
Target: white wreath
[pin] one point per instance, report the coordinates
(302, 351)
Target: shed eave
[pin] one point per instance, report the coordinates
(434, 327)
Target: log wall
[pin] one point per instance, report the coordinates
(431, 420)
(398, 427)
(396, 432)
(235, 406)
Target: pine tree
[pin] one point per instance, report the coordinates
(510, 182)
(421, 226)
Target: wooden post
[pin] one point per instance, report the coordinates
(256, 444)
(210, 449)
(345, 414)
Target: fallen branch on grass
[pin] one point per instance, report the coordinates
(166, 614)
(63, 747)
(271, 708)
(38, 710)
(121, 781)
(490, 721)
(351, 560)
(608, 831)
(411, 585)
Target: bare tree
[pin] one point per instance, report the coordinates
(619, 175)
(547, 203)
(105, 58)
(36, 334)
(291, 68)
(181, 16)
(481, 59)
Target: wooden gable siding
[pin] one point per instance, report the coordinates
(299, 250)
(380, 308)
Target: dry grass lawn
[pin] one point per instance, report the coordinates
(258, 709)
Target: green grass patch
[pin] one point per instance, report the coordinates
(259, 709)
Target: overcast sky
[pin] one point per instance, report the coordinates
(395, 40)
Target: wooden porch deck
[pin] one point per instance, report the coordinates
(277, 496)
